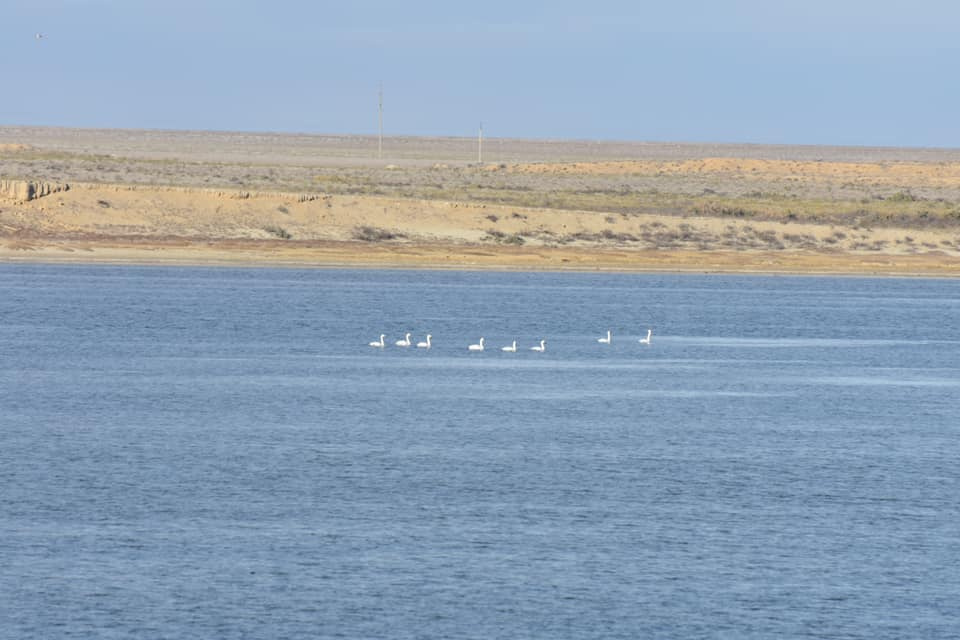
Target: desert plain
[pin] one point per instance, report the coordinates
(182, 197)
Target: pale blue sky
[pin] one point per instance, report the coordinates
(813, 72)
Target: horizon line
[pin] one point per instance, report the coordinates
(472, 138)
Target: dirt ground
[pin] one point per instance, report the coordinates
(231, 198)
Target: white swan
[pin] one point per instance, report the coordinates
(425, 345)
(379, 344)
(476, 347)
(405, 342)
(541, 348)
(606, 340)
(510, 347)
(647, 339)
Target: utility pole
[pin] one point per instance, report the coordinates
(380, 113)
(480, 145)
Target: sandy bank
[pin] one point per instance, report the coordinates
(124, 223)
(222, 198)
(426, 256)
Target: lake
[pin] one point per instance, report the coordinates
(218, 453)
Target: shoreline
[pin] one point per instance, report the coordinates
(443, 257)
(155, 197)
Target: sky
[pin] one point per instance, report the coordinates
(855, 72)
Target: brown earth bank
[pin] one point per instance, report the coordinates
(625, 207)
(100, 223)
(178, 251)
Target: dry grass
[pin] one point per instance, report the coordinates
(630, 197)
(902, 199)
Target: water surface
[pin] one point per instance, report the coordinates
(218, 453)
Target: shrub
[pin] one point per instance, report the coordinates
(503, 238)
(903, 196)
(715, 209)
(374, 234)
(280, 232)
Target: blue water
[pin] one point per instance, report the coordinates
(217, 453)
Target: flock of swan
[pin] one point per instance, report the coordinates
(511, 348)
